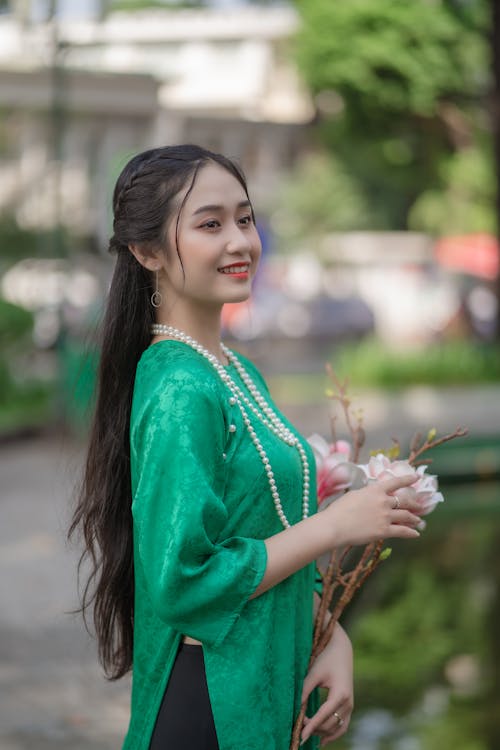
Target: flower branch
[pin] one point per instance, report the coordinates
(432, 442)
(353, 420)
(338, 473)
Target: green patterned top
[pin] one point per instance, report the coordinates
(201, 510)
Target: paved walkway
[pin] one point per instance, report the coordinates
(52, 694)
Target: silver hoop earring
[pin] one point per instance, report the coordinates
(156, 298)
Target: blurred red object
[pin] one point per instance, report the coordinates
(476, 254)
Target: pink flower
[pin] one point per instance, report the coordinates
(341, 446)
(335, 473)
(426, 486)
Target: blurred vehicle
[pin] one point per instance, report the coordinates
(475, 254)
(476, 257)
(279, 315)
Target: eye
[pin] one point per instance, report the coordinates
(211, 224)
(246, 220)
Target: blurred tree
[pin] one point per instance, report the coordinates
(16, 324)
(493, 698)
(456, 729)
(466, 201)
(493, 718)
(317, 197)
(412, 608)
(18, 242)
(399, 89)
(422, 626)
(25, 401)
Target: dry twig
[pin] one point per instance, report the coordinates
(349, 581)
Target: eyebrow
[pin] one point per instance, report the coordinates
(216, 207)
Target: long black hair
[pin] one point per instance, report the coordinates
(145, 200)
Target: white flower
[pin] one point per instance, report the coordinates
(380, 467)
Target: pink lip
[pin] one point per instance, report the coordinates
(242, 275)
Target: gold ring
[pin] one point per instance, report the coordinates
(396, 504)
(339, 718)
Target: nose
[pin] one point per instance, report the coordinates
(238, 240)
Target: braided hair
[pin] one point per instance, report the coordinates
(145, 200)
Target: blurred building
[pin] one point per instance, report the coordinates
(79, 96)
(80, 93)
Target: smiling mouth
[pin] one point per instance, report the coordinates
(241, 268)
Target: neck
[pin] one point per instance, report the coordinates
(206, 329)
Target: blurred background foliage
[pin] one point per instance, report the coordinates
(320, 197)
(25, 400)
(447, 363)
(400, 90)
(404, 107)
(465, 198)
(422, 640)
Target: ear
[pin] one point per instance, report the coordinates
(145, 257)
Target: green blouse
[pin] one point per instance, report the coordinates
(201, 510)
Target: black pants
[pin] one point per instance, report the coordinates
(185, 720)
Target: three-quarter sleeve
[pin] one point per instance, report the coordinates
(198, 579)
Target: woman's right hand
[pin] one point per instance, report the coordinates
(358, 517)
(371, 513)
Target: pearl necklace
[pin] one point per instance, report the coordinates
(258, 407)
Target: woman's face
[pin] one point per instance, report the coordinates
(217, 241)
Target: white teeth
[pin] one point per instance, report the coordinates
(234, 269)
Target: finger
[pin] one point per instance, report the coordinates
(335, 729)
(405, 499)
(339, 718)
(405, 495)
(308, 686)
(404, 517)
(400, 531)
(330, 726)
(412, 506)
(323, 713)
(395, 483)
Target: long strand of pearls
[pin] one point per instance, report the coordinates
(259, 407)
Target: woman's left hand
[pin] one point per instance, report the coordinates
(333, 669)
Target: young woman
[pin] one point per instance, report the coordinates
(198, 500)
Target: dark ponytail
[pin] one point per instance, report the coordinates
(144, 202)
